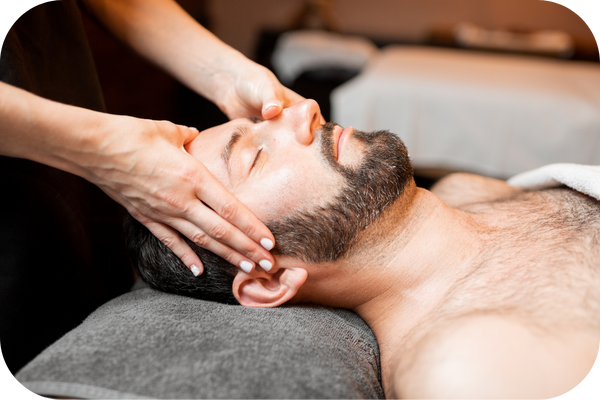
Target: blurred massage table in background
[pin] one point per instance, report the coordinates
(492, 114)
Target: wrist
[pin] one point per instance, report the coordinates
(70, 138)
(44, 131)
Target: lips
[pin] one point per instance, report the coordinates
(337, 132)
(340, 136)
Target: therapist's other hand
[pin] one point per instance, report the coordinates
(143, 166)
(248, 89)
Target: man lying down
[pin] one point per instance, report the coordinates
(475, 289)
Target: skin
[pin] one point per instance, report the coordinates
(141, 163)
(407, 267)
(289, 157)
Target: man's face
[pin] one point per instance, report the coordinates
(277, 165)
(315, 186)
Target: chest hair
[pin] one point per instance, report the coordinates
(540, 264)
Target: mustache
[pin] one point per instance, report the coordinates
(324, 136)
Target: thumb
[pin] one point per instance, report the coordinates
(271, 108)
(189, 133)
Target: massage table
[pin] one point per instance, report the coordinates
(492, 114)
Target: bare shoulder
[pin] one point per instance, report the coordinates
(493, 356)
(462, 188)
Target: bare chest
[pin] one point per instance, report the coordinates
(542, 263)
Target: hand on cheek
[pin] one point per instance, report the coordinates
(171, 192)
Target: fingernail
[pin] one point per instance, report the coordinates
(195, 270)
(266, 243)
(246, 266)
(271, 105)
(266, 265)
(193, 128)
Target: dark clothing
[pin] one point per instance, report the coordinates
(61, 241)
(46, 53)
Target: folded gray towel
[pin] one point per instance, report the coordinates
(152, 344)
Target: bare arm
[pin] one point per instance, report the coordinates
(142, 165)
(165, 34)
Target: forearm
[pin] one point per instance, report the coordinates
(45, 131)
(161, 31)
(142, 164)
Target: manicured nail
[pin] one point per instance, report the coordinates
(266, 265)
(193, 128)
(246, 266)
(195, 270)
(271, 105)
(266, 243)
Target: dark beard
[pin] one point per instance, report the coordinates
(327, 233)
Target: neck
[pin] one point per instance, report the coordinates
(407, 262)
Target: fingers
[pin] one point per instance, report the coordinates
(215, 220)
(196, 205)
(171, 238)
(225, 232)
(174, 194)
(189, 134)
(230, 222)
(256, 92)
(223, 226)
(271, 108)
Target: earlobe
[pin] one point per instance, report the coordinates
(259, 289)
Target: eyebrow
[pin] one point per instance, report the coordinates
(226, 153)
(235, 137)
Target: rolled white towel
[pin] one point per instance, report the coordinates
(583, 178)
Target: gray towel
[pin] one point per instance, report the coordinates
(156, 345)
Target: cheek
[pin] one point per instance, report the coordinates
(269, 196)
(213, 164)
(289, 189)
(219, 173)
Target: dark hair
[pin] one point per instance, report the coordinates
(161, 269)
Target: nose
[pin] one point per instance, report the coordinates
(306, 118)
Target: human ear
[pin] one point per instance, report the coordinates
(259, 289)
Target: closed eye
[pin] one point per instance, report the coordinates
(256, 159)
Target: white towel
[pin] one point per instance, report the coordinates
(583, 178)
(300, 51)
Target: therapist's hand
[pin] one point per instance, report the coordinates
(142, 165)
(247, 89)
(162, 32)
